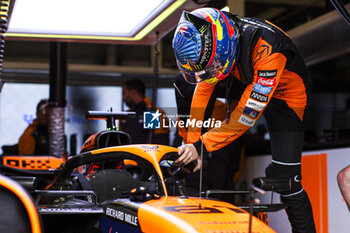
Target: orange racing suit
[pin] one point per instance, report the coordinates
(276, 84)
(279, 77)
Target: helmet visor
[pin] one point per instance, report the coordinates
(203, 75)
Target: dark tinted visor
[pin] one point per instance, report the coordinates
(200, 76)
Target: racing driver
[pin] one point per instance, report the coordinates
(213, 50)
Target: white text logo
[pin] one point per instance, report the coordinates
(255, 105)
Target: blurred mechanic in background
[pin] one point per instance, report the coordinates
(134, 97)
(214, 50)
(35, 138)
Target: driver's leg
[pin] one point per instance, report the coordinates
(287, 138)
(286, 150)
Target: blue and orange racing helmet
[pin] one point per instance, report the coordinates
(205, 45)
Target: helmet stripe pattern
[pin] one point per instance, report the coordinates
(189, 45)
(206, 45)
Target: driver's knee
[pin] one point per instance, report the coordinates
(293, 172)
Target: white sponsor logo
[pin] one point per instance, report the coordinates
(209, 123)
(267, 73)
(206, 50)
(246, 121)
(255, 105)
(120, 215)
(266, 82)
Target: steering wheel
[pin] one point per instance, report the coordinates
(173, 169)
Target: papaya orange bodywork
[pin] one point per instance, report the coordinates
(26, 201)
(185, 214)
(176, 214)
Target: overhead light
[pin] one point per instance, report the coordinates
(88, 19)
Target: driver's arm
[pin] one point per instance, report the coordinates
(239, 121)
(248, 109)
(202, 105)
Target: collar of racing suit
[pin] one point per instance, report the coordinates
(249, 36)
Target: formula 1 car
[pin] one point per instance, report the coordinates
(130, 188)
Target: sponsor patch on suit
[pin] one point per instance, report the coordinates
(259, 97)
(262, 89)
(258, 106)
(250, 112)
(246, 120)
(267, 82)
(267, 73)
